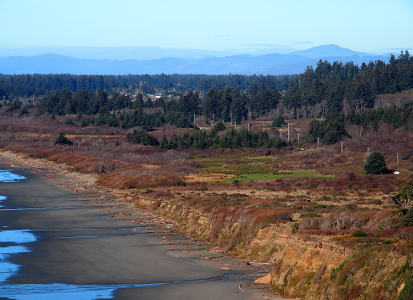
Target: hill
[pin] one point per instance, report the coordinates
(272, 64)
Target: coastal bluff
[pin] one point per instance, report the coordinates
(305, 266)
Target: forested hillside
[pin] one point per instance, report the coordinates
(337, 87)
(339, 93)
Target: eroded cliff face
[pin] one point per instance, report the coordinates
(314, 267)
(304, 266)
(299, 262)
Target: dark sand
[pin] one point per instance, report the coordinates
(86, 242)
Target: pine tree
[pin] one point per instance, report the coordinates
(62, 140)
(278, 121)
(376, 164)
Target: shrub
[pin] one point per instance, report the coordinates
(309, 223)
(359, 233)
(407, 292)
(407, 219)
(62, 140)
(405, 195)
(351, 176)
(139, 177)
(404, 233)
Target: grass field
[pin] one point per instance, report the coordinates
(235, 164)
(265, 176)
(247, 168)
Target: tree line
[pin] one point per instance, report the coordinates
(337, 92)
(127, 111)
(371, 119)
(202, 139)
(330, 87)
(338, 87)
(12, 86)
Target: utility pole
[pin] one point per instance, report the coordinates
(318, 142)
(341, 143)
(368, 152)
(397, 159)
(298, 137)
(288, 132)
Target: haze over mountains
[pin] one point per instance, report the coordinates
(272, 64)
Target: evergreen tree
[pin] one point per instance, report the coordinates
(23, 111)
(142, 137)
(315, 130)
(376, 164)
(16, 104)
(218, 126)
(334, 132)
(278, 121)
(163, 143)
(62, 140)
(69, 121)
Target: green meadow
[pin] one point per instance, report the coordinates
(248, 168)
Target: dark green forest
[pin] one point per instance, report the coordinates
(202, 139)
(346, 87)
(339, 93)
(13, 86)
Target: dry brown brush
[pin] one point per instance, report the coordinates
(233, 226)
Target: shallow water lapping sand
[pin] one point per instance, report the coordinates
(81, 249)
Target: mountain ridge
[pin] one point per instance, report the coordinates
(245, 64)
(328, 51)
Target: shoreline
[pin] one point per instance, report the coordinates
(175, 245)
(76, 182)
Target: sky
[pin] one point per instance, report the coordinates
(218, 26)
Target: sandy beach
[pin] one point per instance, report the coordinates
(80, 243)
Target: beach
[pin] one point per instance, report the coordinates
(66, 238)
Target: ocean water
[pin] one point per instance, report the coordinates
(22, 240)
(16, 238)
(8, 176)
(13, 242)
(7, 269)
(13, 237)
(2, 198)
(64, 291)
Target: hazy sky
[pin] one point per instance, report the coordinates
(237, 26)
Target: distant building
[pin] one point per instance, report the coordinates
(154, 97)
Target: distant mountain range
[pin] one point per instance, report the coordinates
(273, 64)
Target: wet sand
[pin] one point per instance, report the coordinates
(90, 247)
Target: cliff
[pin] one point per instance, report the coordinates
(306, 266)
